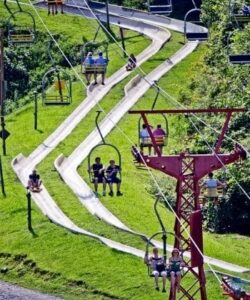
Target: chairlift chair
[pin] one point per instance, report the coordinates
(160, 7)
(233, 291)
(239, 12)
(56, 87)
(95, 48)
(164, 267)
(237, 58)
(190, 26)
(21, 35)
(102, 145)
(160, 140)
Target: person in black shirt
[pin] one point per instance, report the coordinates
(98, 171)
(112, 171)
(34, 183)
(158, 268)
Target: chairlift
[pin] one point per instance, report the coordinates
(93, 47)
(237, 58)
(160, 7)
(234, 290)
(21, 35)
(104, 146)
(164, 234)
(214, 194)
(192, 32)
(240, 12)
(56, 87)
(161, 139)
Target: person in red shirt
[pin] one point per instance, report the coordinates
(159, 135)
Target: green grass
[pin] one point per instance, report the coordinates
(63, 259)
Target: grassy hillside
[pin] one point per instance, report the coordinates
(74, 266)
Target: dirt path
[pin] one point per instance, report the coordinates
(14, 292)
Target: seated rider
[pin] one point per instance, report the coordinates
(131, 63)
(52, 7)
(159, 135)
(211, 185)
(145, 139)
(246, 10)
(112, 171)
(175, 263)
(59, 3)
(89, 61)
(101, 61)
(98, 170)
(34, 182)
(158, 268)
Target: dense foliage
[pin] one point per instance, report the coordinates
(25, 67)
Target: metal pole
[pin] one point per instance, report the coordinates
(97, 126)
(122, 40)
(2, 91)
(28, 195)
(1, 177)
(164, 239)
(35, 110)
(107, 12)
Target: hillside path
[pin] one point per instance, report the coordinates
(13, 292)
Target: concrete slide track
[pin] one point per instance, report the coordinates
(67, 167)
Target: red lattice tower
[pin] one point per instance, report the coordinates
(188, 169)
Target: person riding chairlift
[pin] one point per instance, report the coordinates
(145, 140)
(246, 10)
(175, 264)
(100, 61)
(158, 268)
(211, 185)
(112, 171)
(159, 135)
(89, 61)
(98, 170)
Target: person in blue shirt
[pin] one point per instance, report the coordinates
(246, 10)
(101, 61)
(112, 171)
(89, 61)
(211, 184)
(145, 140)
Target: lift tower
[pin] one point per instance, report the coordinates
(188, 169)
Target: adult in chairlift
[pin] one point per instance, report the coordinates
(112, 172)
(98, 171)
(89, 61)
(156, 262)
(175, 265)
(211, 184)
(246, 10)
(100, 61)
